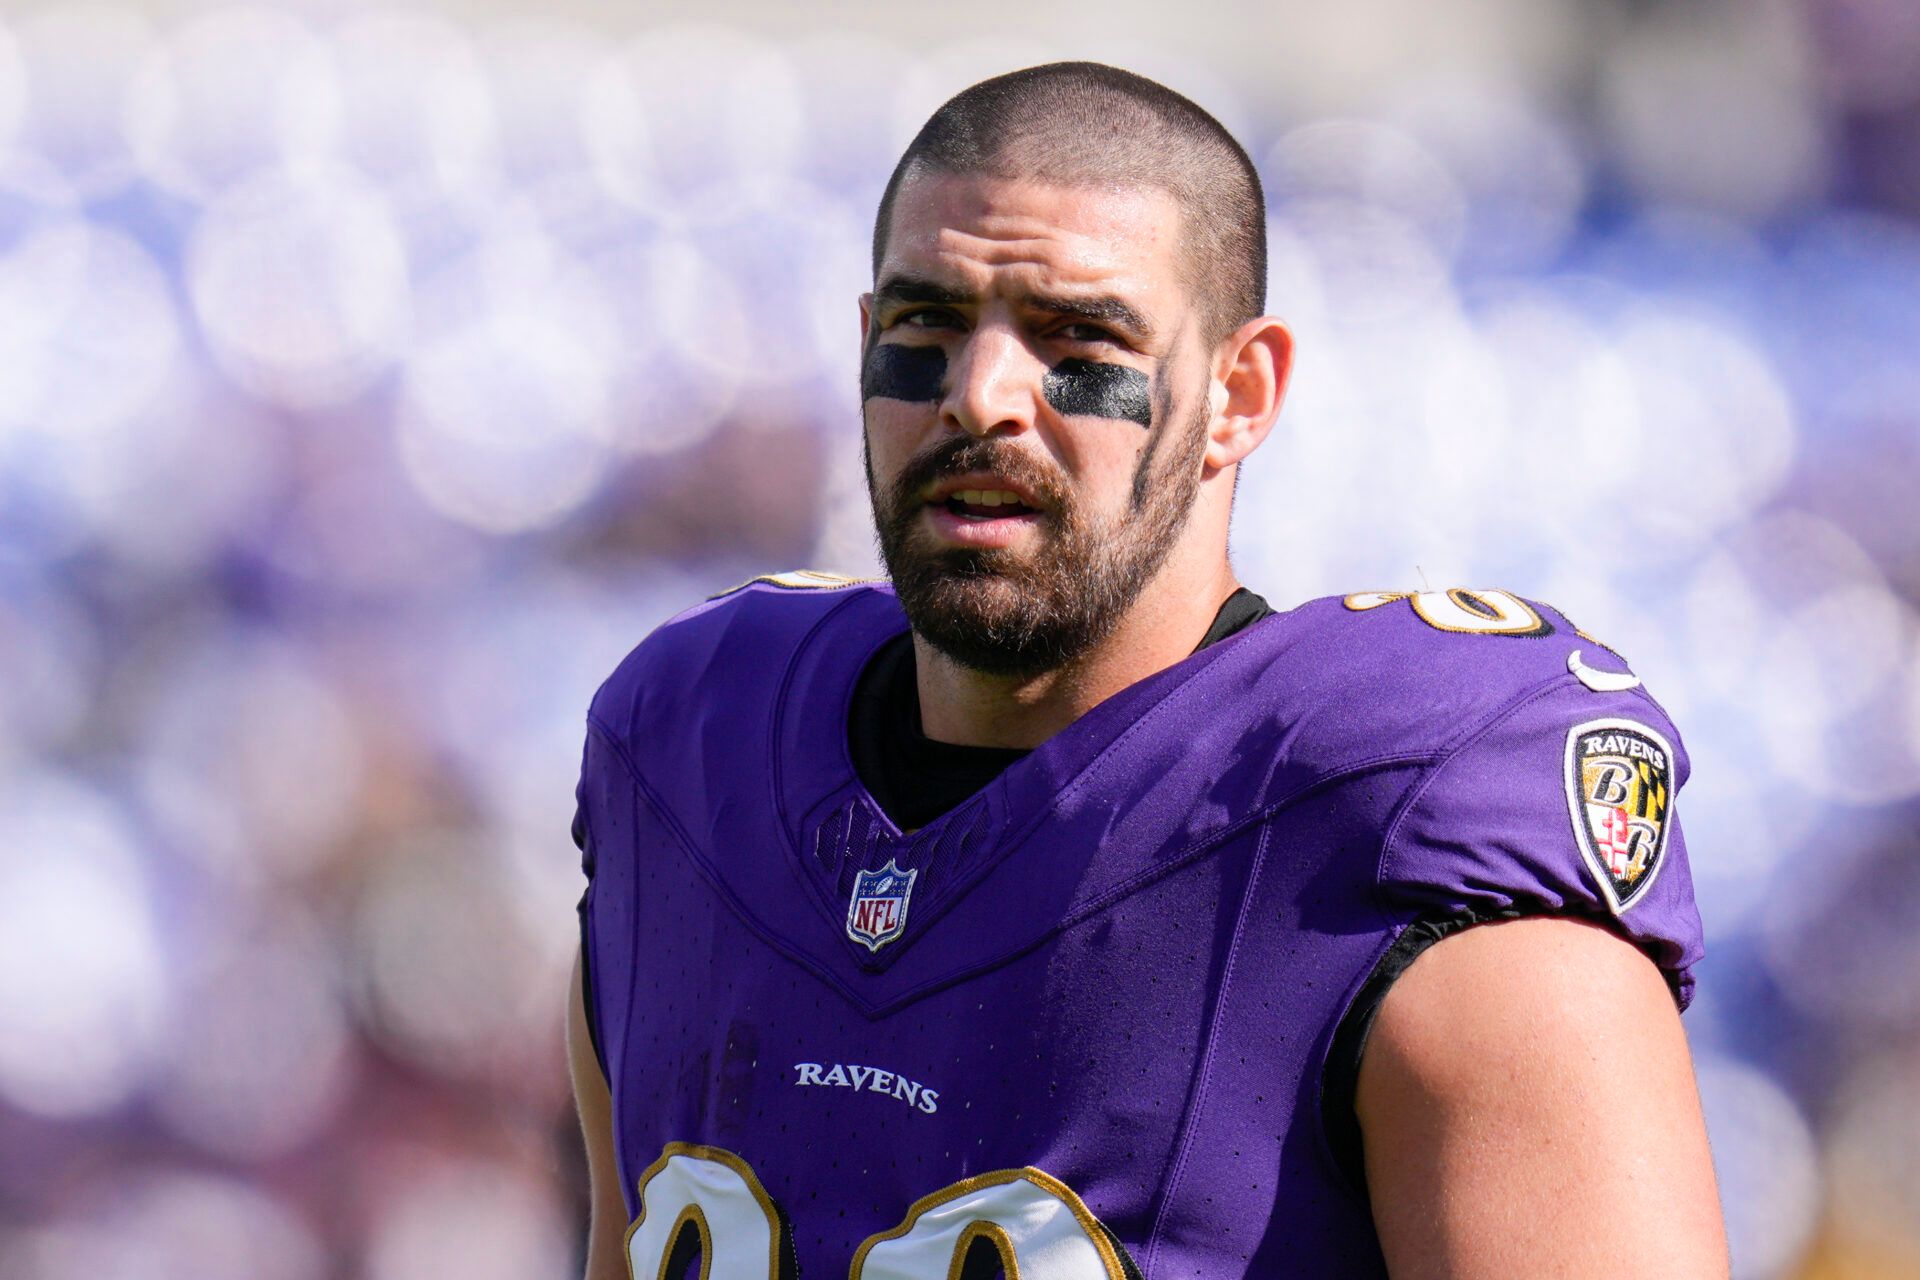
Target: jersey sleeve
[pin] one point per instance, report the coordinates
(1564, 804)
(1560, 805)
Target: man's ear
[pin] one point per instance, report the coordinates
(1249, 380)
(866, 317)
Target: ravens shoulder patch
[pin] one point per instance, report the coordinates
(1620, 780)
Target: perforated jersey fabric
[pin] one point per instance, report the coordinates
(1098, 1044)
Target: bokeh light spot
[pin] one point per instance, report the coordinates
(83, 990)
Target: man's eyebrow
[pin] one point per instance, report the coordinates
(1098, 308)
(898, 289)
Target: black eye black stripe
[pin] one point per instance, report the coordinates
(894, 372)
(1083, 388)
(1074, 387)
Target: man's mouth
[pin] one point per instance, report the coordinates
(985, 504)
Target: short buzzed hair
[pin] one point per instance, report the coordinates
(1087, 124)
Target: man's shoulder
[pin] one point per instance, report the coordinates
(1406, 673)
(729, 642)
(1540, 773)
(770, 608)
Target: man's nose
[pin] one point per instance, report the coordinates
(995, 377)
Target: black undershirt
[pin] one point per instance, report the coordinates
(915, 779)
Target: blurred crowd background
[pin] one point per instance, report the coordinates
(371, 378)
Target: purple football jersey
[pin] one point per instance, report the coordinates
(1080, 1025)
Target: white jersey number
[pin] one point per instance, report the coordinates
(715, 1195)
(1482, 612)
(1026, 1215)
(704, 1198)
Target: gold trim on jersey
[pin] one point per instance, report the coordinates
(995, 1234)
(1361, 601)
(1489, 611)
(1497, 622)
(1095, 1232)
(719, 1155)
(799, 580)
(694, 1214)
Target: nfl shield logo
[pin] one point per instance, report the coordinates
(877, 913)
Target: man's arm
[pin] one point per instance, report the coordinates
(1528, 1108)
(607, 1224)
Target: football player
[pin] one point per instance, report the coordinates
(1056, 908)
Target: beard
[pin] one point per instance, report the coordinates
(1021, 613)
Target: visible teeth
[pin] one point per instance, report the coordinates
(985, 498)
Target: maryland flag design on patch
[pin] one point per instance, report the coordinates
(1620, 790)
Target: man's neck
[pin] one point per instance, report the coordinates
(1165, 624)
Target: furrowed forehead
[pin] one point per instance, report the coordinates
(1042, 238)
